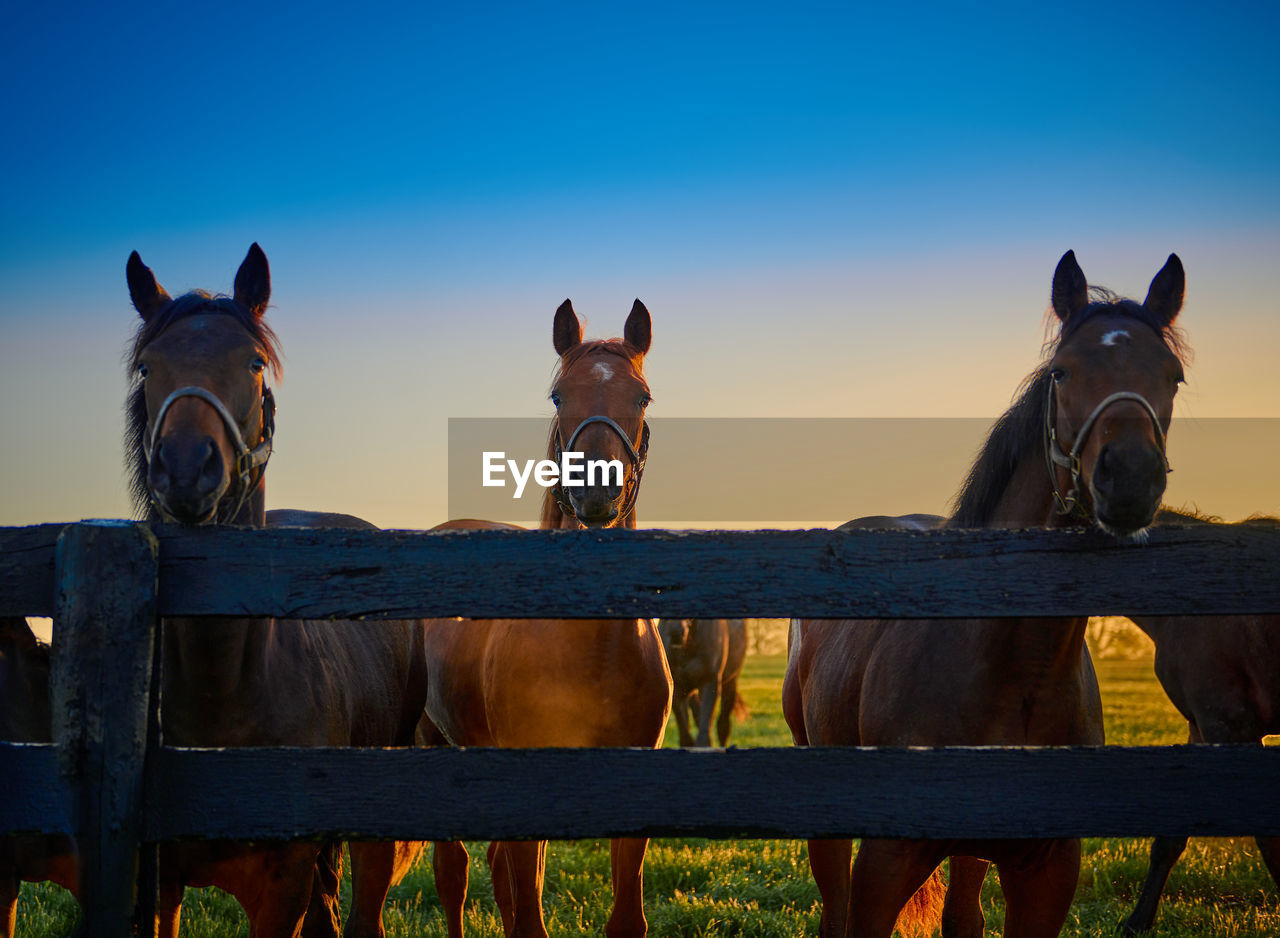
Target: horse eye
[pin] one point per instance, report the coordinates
(1058, 375)
(555, 399)
(143, 370)
(258, 366)
(645, 400)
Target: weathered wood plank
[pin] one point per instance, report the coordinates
(106, 613)
(26, 569)
(791, 793)
(398, 574)
(34, 801)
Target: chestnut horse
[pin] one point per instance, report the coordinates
(705, 656)
(25, 718)
(560, 682)
(1106, 398)
(200, 424)
(1223, 675)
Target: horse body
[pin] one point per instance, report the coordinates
(997, 681)
(551, 682)
(1223, 675)
(25, 718)
(197, 398)
(705, 656)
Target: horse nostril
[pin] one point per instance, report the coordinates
(158, 472)
(211, 469)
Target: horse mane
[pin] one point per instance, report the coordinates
(1021, 427)
(552, 516)
(1194, 516)
(197, 301)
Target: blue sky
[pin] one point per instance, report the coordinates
(837, 198)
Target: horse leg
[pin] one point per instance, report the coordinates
(503, 892)
(375, 868)
(526, 862)
(449, 861)
(710, 693)
(168, 902)
(1165, 852)
(9, 886)
(276, 903)
(830, 861)
(962, 912)
(1038, 896)
(1269, 847)
(728, 701)
(886, 877)
(323, 918)
(680, 707)
(626, 862)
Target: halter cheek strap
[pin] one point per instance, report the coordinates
(1054, 456)
(247, 460)
(636, 456)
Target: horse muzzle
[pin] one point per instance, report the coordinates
(1126, 486)
(187, 477)
(596, 506)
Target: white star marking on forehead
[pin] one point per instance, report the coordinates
(1114, 336)
(601, 371)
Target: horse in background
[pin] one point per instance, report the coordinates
(705, 657)
(1223, 675)
(1084, 444)
(560, 682)
(25, 718)
(200, 425)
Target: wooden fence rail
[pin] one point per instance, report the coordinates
(107, 583)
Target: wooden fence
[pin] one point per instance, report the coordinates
(108, 781)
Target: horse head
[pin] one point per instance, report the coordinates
(600, 397)
(201, 414)
(1110, 388)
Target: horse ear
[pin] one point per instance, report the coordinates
(147, 295)
(1070, 289)
(567, 331)
(639, 328)
(1167, 289)
(253, 282)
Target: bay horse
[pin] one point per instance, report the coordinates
(705, 657)
(200, 426)
(1223, 675)
(1084, 444)
(560, 682)
(25, 718)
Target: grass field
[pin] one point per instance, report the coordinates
(696, 888)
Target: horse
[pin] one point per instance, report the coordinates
(1084, 444)
(705, 657)
(560, 682)
(201, 420)
(1223, 675)
(25, 718)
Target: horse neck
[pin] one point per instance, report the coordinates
(210, 658)
(1028, 500)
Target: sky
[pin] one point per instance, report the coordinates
(838, 210)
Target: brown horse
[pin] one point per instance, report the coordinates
(200, 428)
(1106, 397)
(553, 682)
(25, 718)
(1223, 675)
(705, 656)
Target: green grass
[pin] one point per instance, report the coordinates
(761, 889)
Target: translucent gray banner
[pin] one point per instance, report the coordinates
(756, 472)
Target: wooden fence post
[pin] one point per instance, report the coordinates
(104, 621)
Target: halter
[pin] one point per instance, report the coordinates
(636, 457)
(247, 460)
(1054, 456)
